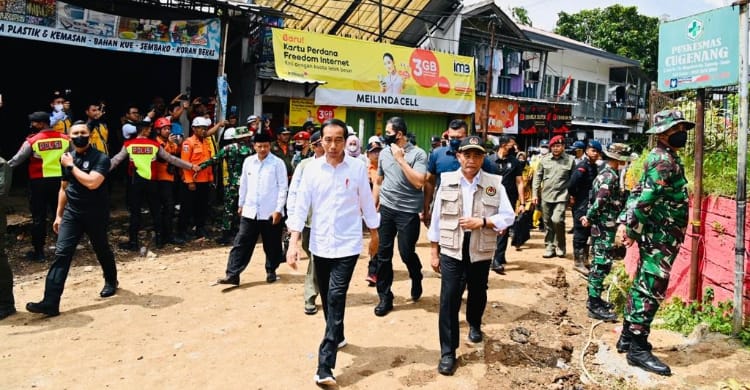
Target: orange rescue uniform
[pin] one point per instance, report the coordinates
(196, 151)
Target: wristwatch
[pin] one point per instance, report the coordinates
(70, 168)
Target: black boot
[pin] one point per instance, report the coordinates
(598, 311)
(626, 338)
(640, 355)
(578, 265)
(586, 257)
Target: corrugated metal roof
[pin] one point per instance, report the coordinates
(402, 22)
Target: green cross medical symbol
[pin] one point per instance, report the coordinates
(695, 29)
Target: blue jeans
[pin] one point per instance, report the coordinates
(334, 276)
(406, 225)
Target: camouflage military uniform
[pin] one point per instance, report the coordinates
(235, 155)
(656, 215)
(606, 202)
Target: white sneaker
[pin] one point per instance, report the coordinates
(327, 380)
(342, 344)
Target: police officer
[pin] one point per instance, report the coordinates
(234, 154)
(511, 171)
(579, 188)
(7, 303)
(470, 209)
(44, 147)
(605, 204)
(656, 215)
(83, 207)
(143, 151)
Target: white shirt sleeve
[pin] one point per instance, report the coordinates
(433, 233)
(301, 206)
(243, 182)
(366, 201)
(281, 180)
(291, 199)
(505, 213)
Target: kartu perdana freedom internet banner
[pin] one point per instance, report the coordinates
(62, 23)
(376, 75)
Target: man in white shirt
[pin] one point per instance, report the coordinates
(471, 208)
(337, 192)
(262, 196)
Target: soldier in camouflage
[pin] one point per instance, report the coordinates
(235, 154)
(655, 215)
(605, 204)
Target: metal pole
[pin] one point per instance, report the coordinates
(220, 114)
(695, 247)
(739, 242)
(489, 81)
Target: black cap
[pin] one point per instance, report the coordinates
(315, 137)
(39, 116)
(472, 142)
(262, 137)
(374, 146)
(435, 139)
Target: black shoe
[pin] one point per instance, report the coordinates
(271, 277)
(640, 355)
(233, 280)
(129, 246)
(109, 289)
(475, 334)
(324, 377)
(201, 233)
(384, 307)
(416, 290)
(5, 313)
(37, 256)
(499, 269)
(42, 307)
(447, 365)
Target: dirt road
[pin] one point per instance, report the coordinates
(169, 327)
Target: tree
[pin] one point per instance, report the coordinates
(520, 15)
(616, 29)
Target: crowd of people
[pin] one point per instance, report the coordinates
(324, 190)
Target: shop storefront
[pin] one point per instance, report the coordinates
(366, 83)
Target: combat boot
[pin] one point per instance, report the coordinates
(578, 265)
(598, 311)
(640, 355)
(626, 338)
(586, 257)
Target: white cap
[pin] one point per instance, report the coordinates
(252, 118)
(374, 138)
(201, 121)
(229, 134)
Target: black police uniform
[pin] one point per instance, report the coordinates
(87, 211)
(579, 188)
(7, 303)
(509, 168)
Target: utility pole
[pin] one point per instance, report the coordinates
(490, 79)
(739, 242)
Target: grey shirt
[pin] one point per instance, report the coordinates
(396, 192)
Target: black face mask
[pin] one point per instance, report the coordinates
(512, 152)
(80, 141)
(389, 139)
(298, 147)
(678, 139)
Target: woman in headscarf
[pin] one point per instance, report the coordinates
(354, 149)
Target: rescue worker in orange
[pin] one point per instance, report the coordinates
(143, 151)
(44, 146)
(193, 211)
(165, 176)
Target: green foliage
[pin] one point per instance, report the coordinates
(616, 29)
(683, 317)
(618, 283)
(520, 15)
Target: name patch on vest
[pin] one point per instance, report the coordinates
(142, 149)
(49, 145)
(490, 191)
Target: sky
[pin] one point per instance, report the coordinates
(543, 13)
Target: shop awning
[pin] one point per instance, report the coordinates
(600, 125)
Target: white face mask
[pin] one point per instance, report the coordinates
(352, 148)
(543, 151)
(58, 107)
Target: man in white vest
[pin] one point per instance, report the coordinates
(471, 208)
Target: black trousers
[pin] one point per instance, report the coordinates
(6, 274)
(334, 276)
(194, 207)
(580, 233)
(244, 245)
(72, 228)
(502, 242)
(453, 272)
(406, 226)
(42, 201)
(143, 190)
(166, 207)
